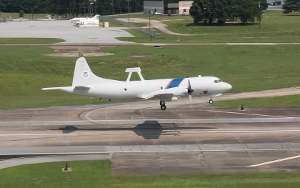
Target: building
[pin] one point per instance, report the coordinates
(167, 7)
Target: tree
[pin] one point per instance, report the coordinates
(21, 14)
(70, 7)
(210, 11)
(290, 6)
(196, 11)
(263, 4)
(247, 10)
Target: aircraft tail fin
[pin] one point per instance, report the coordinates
(83, 75)
(96, 16)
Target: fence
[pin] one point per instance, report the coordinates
(129, 25)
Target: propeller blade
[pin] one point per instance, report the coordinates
(190, 90)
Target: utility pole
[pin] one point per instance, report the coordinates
(259, 15)
(128, 8)
(150, 26)
(113, 11)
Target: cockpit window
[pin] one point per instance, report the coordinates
(217, 81)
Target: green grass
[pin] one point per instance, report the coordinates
(98, 174)
(25, 70)
(27, 15)
(275, 27)
(30, 40)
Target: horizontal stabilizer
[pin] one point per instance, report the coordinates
(67, 88)
(51, 88)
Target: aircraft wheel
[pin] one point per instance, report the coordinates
(163, 107)
(162, 103)
(211, 101)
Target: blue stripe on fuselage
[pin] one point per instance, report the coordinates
(174, 83)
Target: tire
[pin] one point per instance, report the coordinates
(163, 107)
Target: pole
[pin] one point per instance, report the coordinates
(259, 15)
(128, 9)
(95, 6)
(149, 26)
(90, 10)
(113, 11)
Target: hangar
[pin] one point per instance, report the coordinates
(167, 7)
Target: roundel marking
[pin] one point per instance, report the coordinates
(85, 74)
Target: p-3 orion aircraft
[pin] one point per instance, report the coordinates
(86, 83)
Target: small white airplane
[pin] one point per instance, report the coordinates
(86, 83)
(86, 22)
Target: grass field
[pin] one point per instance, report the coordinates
(30, 40)
(24, 73)
(25, 70)
(98, 174)
(275, 27)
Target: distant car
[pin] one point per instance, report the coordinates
(157, 13)
(185, 14)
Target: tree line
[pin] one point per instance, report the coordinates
(290, 6)
(219, 11)
(71, 8)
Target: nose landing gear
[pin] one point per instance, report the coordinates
(162, 105)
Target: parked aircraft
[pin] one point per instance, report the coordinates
(86, 22)
(85, 82)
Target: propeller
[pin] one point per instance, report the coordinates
(190, 90)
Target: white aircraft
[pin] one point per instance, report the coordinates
(88, 84)
(86, 22)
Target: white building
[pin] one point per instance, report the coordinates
(167, 6)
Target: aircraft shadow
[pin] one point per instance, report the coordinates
(147, 130)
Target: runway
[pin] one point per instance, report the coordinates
(139, 138)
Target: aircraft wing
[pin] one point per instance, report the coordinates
(166, 94)
(75, 20)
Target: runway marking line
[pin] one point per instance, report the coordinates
(275, 161)
(4, 135)
(263, 115)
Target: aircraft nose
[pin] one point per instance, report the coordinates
(228, 87)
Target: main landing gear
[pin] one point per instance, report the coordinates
(162, 105)
(211, 101)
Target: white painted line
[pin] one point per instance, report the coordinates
(253, 44)
(263, 115)
(275, 161)
(3, 135)
(250, 131)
